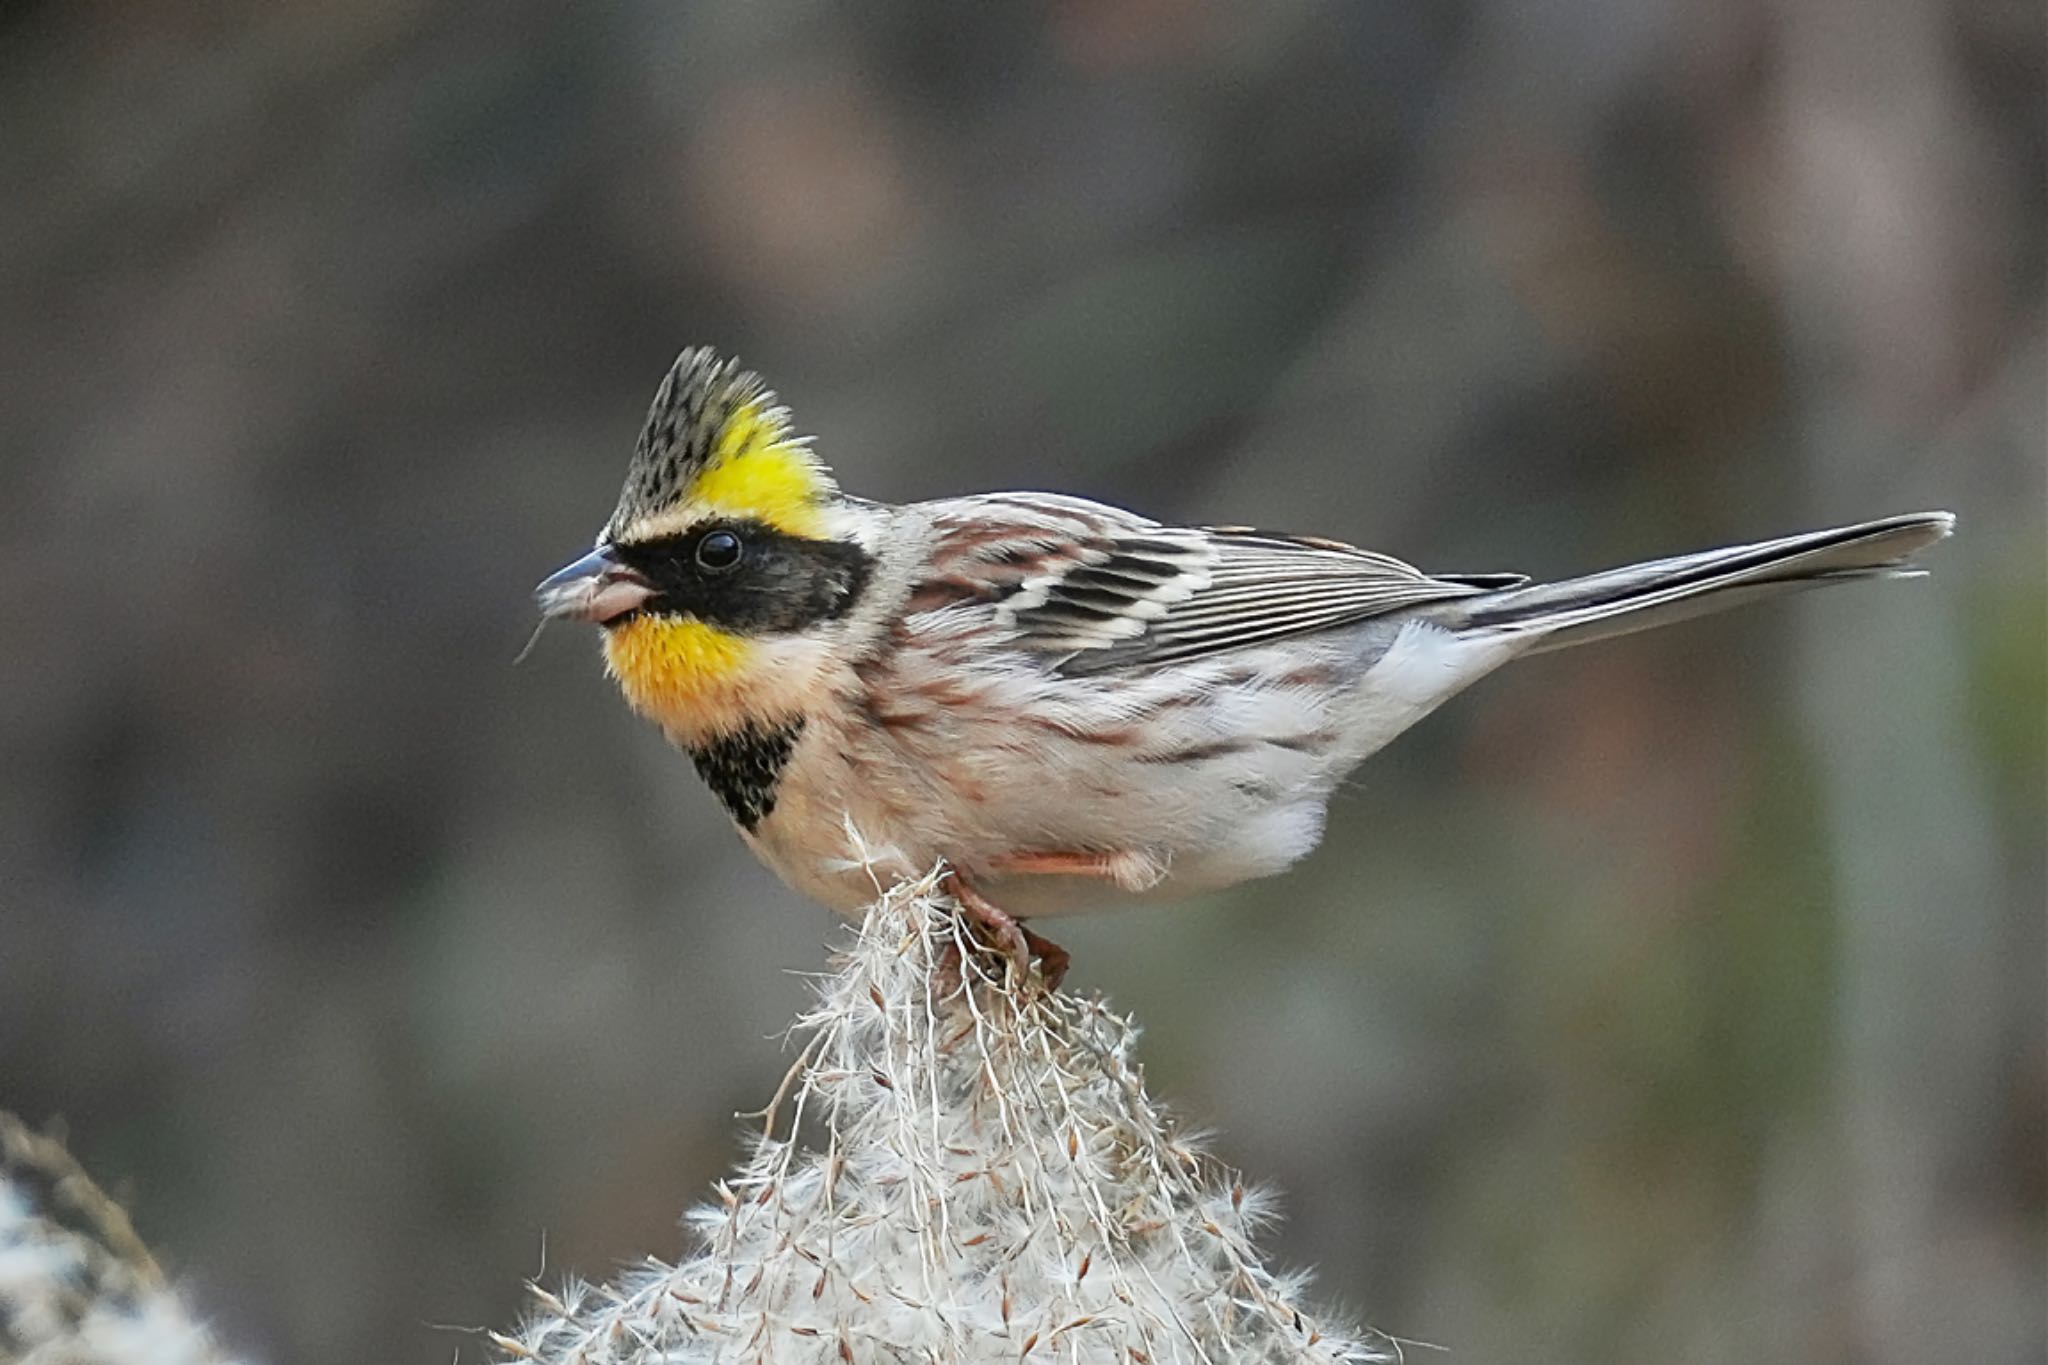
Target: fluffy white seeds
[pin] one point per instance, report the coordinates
(76, 1285)
(957, 1177)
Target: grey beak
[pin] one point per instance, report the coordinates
(596, 588)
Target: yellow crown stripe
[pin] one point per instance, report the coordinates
(757, 471)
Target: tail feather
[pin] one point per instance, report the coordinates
(1659, 592)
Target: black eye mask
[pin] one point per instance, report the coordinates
(747, 577)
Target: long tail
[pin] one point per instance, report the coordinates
(1641, 596)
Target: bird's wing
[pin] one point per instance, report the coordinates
(1101, 589)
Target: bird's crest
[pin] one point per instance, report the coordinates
(718, 444)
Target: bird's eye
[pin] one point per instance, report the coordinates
(719, 551)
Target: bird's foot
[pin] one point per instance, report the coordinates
(1053, 960)
(1008, 936)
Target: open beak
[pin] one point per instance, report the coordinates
(596, 588)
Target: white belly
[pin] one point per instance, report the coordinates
(1200, 796)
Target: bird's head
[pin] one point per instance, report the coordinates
(723, 574)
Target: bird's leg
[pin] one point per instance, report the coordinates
(1003, 930)
(1008, 936)
(1133, 871)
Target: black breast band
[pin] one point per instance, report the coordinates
(745, 766)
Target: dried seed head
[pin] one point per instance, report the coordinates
(76, 1284)
(940, 1202)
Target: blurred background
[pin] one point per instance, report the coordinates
(1678, 999)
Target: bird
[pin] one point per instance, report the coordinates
(1063, 704)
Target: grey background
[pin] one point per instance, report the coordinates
(1679, 999)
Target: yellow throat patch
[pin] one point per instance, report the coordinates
(680, 673)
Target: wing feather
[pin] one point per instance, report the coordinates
(1097, 589)
(1170, 594)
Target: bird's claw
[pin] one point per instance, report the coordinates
(1008, 936)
